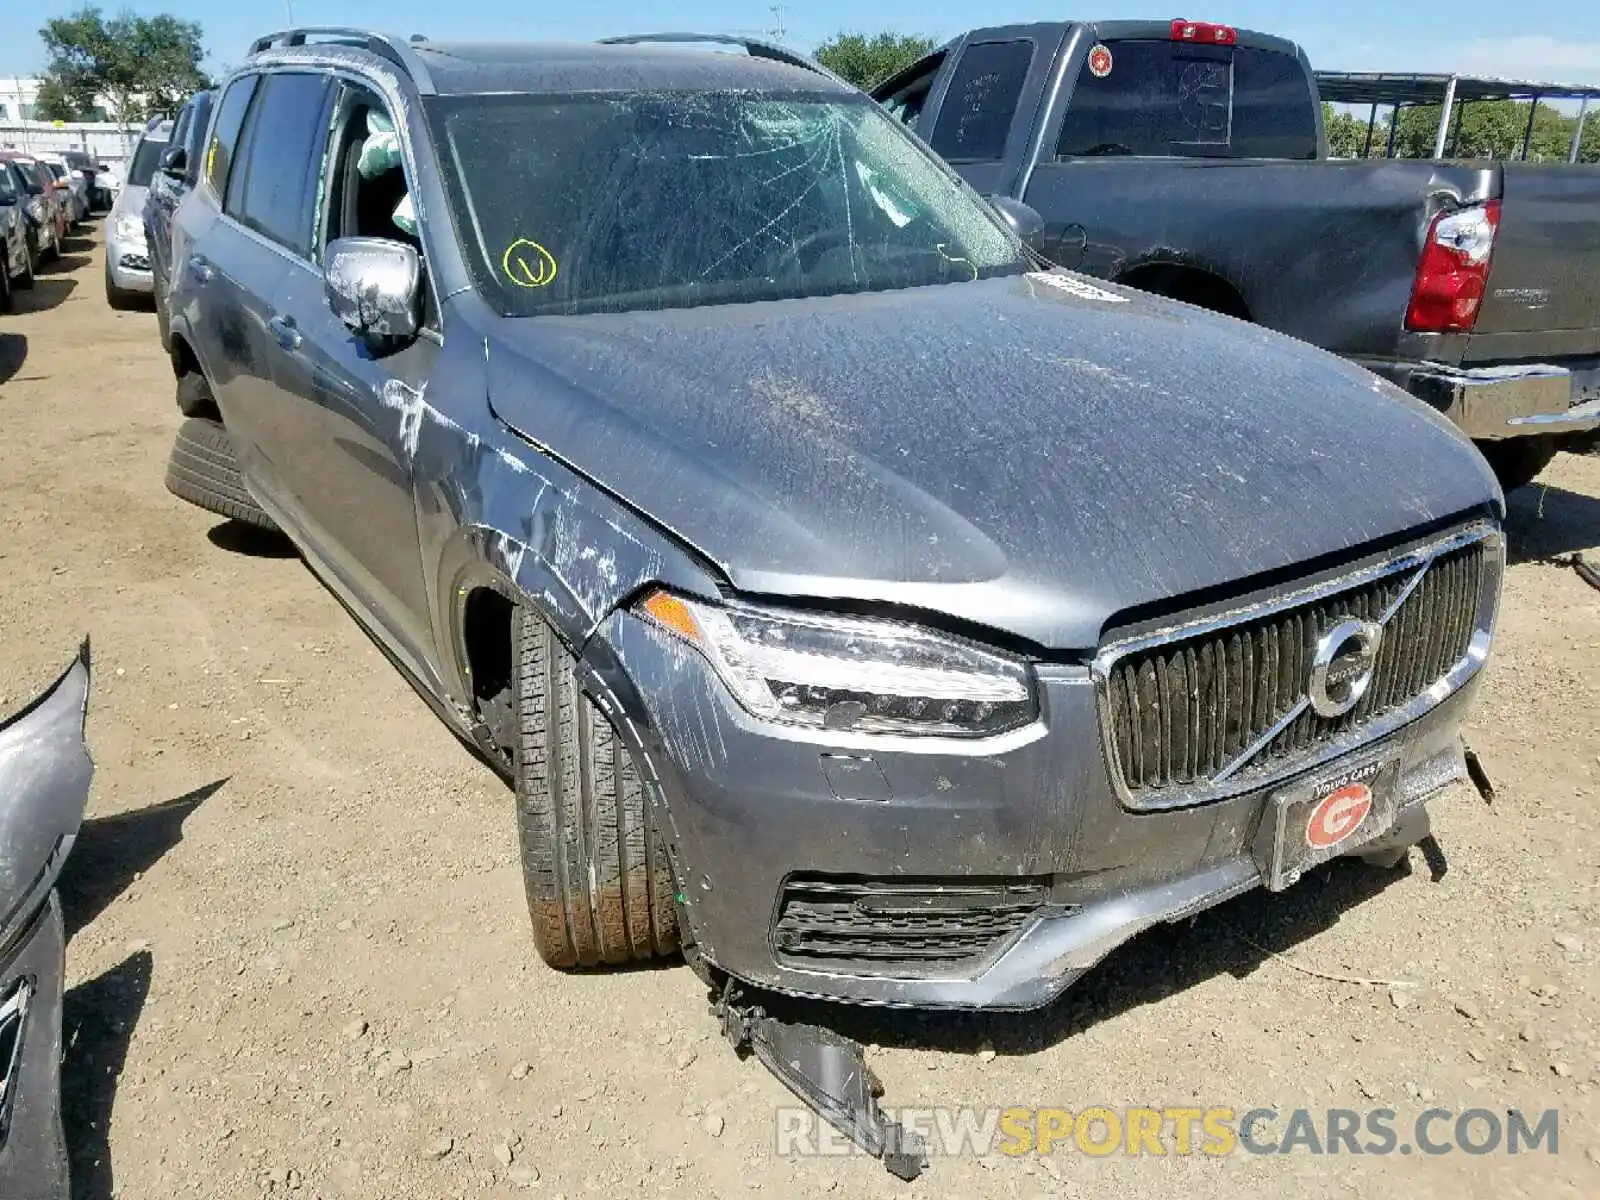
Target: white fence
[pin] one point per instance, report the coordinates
(103, 141)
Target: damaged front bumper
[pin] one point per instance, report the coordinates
(44, 786)
(784, 838)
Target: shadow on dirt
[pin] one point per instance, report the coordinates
(1546, 522)
(1236, 938)
(100, 1014)
(239, 537)
(97, 1024)
(46, 293)
(113, 851)
(13, 353)
(64, 265)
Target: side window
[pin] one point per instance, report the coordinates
(283, 140)
(195, 135)
(976, 116)
(225, 133)
(8, 188)
(906, 102)
(364, 191)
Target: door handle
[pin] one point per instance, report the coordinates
(284, 329)
(201, 270)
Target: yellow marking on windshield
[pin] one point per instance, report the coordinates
(528, 264)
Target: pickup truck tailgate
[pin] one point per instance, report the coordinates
(1543, 296)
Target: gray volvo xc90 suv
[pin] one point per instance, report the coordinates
(855, 601)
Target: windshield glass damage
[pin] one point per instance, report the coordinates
(614, 201)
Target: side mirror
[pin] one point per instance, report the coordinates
(374, 285)
(174, 162)
(1022, 219)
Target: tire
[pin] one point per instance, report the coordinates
(203, 471)
(1516, 462)
(6, 300)
(30, 263)
(596, 873)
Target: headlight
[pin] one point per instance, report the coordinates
(129, 228)
(850, 673)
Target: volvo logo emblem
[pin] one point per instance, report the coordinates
(1342, 666)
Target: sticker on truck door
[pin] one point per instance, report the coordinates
(1100, 60)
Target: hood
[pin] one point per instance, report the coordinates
(1033, 453)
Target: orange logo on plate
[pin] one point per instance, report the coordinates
(1338, 816)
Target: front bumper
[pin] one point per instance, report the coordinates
(128, 266)
(1490, 403)
(33, 1152)
(747, 807)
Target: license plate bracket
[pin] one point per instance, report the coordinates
(1322, 816)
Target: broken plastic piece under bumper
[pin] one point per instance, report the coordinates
(1490, 403)
(44, 785)
(748, 806)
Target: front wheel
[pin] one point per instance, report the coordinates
(1517, 462)
(595, 869)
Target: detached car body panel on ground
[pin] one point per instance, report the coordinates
(44, 785)
(921, 622)
(1189, 159)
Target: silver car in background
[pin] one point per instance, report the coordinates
(76, 184)
(128, 279)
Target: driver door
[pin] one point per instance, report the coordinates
(356, 406)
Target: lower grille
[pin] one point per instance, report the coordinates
(1219, 710)
(894, 926)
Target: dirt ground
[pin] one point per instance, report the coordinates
(300, 959)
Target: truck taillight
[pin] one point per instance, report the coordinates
(1204, 31)
(1454, 270)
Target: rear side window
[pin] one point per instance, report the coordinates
(270, 191)
(195, 134)
(1164, 99)
(225, 135)
(976, 116)
(8, 187)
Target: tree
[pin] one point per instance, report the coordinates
(143, 65)
(56, 103)
(1486, 129)
(868, 61)
(1347, 134)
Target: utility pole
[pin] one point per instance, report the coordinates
(778, 32)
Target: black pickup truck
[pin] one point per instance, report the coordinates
(1189, 159)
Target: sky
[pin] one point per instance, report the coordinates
(1559, 41)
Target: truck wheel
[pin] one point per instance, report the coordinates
(596, 873)
(5, 281)
(204, 471)
(1516, 462)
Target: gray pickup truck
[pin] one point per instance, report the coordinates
(1189, 160)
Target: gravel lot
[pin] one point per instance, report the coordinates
(300, 959)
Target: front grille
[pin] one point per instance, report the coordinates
(899, 927)
(1181, 713)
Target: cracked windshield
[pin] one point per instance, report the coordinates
(616, 201)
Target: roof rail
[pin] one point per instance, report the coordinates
(395, 50)
(754, 47)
